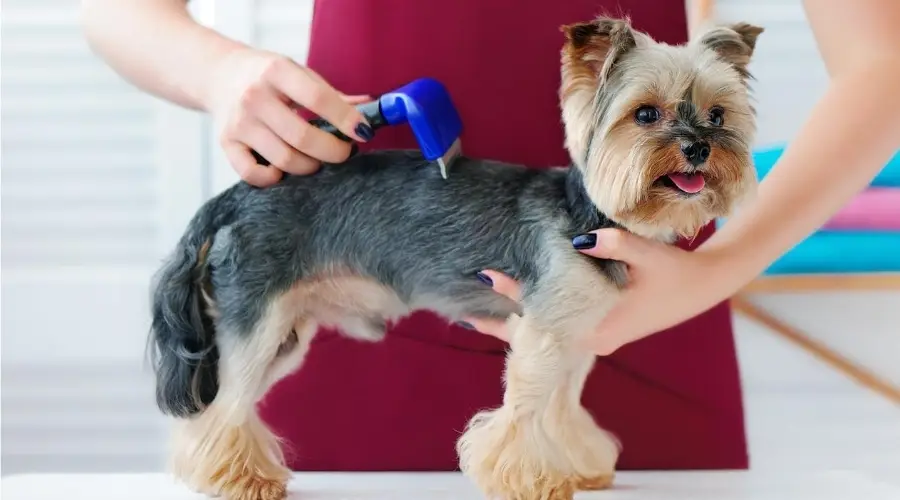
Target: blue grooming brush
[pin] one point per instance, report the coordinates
(426, 106)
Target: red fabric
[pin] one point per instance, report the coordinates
(673, 399)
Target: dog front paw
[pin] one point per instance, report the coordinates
(497, 453)
(518, 457)
(601, 482)
(254, 487)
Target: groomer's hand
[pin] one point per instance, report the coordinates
(253, 99)
(664, 288)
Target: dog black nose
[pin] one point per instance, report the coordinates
(696, 152)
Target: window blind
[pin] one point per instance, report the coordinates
(84, 162)
(283, 26)
(79, 183)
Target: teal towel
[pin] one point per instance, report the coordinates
(842, 252)
(765, 158)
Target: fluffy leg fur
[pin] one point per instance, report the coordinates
(541, 443)
(226, 449)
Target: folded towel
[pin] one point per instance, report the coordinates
(875, 209)
(764, 159)
(830, 251)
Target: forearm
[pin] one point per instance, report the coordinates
(156, 45)
(847, 139)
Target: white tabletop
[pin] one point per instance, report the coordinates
(832, 485)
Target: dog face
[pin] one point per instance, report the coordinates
(661, 133)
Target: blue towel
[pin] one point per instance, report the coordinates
(842, 252)
(765, 158)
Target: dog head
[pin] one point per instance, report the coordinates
(662, 134)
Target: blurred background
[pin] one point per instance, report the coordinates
(99, 179)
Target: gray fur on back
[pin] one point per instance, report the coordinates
(390, 217)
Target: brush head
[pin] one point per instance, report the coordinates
(426, 106)
(446, 160)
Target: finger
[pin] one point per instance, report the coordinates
(356, 99)
(604, 341)
(625, 323)
(299, 134)
(352, 99)
(279, 154)
(504, 285)
(317, 77)
(603, 346)
(493, 327)
(616, 244)
(247, 168)
(312, 92)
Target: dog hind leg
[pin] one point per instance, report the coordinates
(368, 329)
(226, 450)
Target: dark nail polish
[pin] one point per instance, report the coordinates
(485, 279)
(259, 158)
(584, 241)
(365, 131)
(467, 326)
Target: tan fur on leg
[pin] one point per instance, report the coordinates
(541, 444)
(241, 462)
(227, 450)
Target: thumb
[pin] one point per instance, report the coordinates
(615, 244)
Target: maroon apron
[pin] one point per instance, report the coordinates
(673, 399)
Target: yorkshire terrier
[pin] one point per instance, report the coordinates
(659, 137)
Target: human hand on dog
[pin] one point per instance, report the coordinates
(663, 276)
(253, 100)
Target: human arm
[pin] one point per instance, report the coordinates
(157, 46)
(176, 66)
(845, 141)
(848, 137)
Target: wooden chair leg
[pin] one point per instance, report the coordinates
(852, 370)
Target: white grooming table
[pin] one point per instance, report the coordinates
(766, 485)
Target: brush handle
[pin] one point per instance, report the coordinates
(370, 110)
(423, 104)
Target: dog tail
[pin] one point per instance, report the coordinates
(183, 350)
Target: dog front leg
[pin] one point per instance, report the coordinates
(541, 443)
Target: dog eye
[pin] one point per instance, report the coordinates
(646, 115)
(717, 117)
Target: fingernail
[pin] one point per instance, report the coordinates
(365, 131)
(584, 241)
(467, 326)
(485, 279)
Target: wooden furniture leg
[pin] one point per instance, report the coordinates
(852, 370)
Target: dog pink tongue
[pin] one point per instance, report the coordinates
(689, 183)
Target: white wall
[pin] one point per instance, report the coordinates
(97, 181)
(864, 326)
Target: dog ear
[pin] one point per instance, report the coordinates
(734, 43)
(598, 45)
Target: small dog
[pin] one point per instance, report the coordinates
(659, 138)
